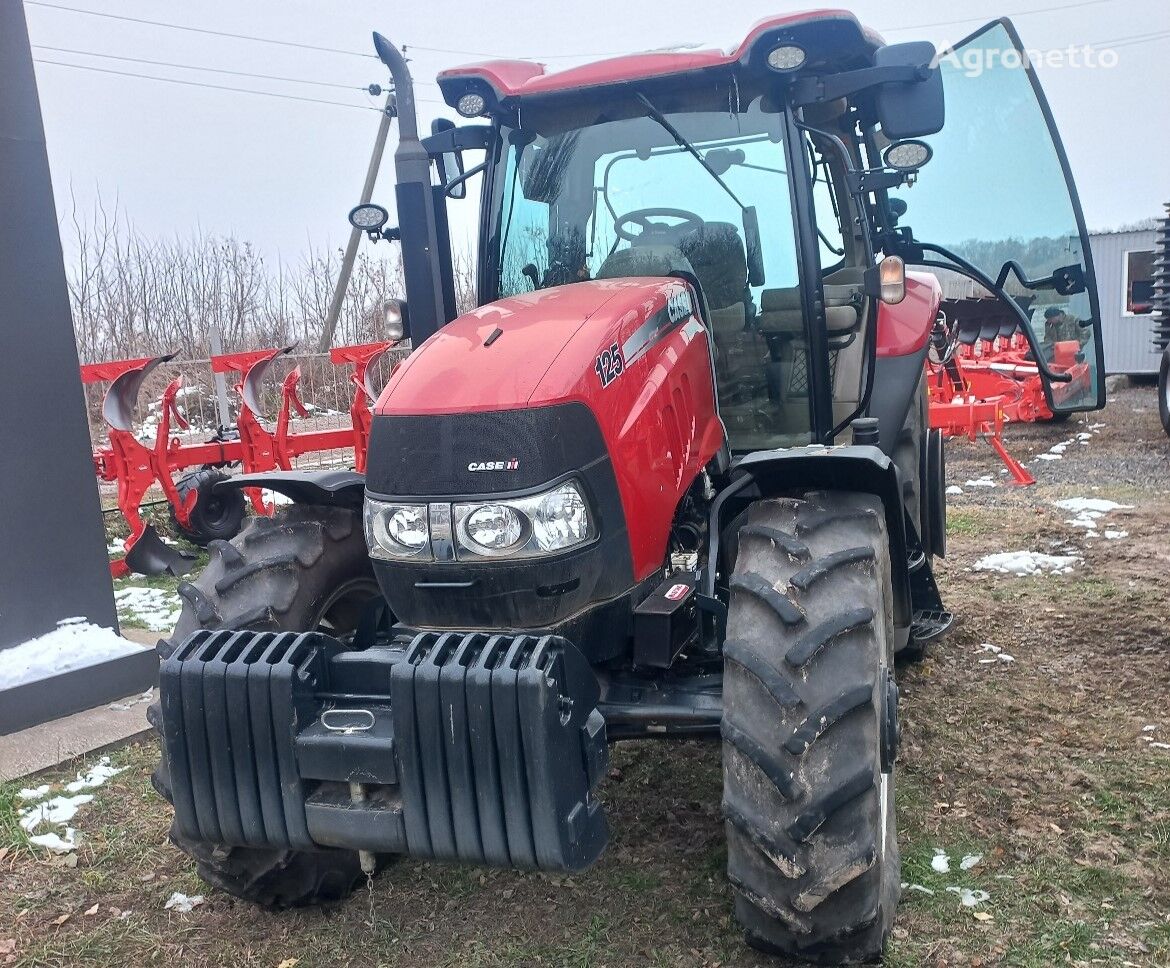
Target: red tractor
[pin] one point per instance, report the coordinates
(673, 477)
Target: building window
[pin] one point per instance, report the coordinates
(1138, 283)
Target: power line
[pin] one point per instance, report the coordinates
(1133, 39)
(971, 20)
(941, 23)
(197, 30)
(484, 53)
(196, 67)
(214, 87)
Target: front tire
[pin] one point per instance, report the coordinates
(304, 568)
(1164, 391)
(809, 729)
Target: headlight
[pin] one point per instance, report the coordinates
(396, 530)
(561, 520)
(494, 527)
(524, 527)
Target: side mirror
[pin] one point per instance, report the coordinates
(910, 109)
(887, 280)
(396, 320)
(450, 163)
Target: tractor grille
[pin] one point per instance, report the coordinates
(428, 454)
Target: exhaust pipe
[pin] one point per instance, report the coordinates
(422, 211)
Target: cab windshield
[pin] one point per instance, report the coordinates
(609, 191)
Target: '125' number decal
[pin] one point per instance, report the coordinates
(609, 365)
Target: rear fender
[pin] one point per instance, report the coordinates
(776, 473)
(346, 489)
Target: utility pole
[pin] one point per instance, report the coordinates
(215, 339)
(355, 234)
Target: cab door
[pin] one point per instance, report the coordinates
(997, 203)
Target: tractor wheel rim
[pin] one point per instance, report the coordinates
(340, 612)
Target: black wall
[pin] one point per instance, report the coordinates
(52, 546)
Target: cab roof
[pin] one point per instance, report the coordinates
(833, 40)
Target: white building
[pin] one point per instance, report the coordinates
(1124, 263)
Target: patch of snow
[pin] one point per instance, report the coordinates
(74, 644)
(983, 481)
(1096, 504)
(906, 886)
(969, 861)
(182, 903)
(1148, 728)
(58, 810)
(940, 861)
(1115, 535)
(1050, 456)
(132, 701)
(55, 843)
(1027, 563)
(95, 777)
(117, 546)
(954, 489)
(1159, 746)
(969, 897)
(988, 647)
(35, 793)
(156, 608)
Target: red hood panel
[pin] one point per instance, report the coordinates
(454, 372)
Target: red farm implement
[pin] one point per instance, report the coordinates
(255, 444)
(982, 377)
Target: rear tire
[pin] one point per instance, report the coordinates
(304, 568)
(217, 515)
(1164, 391)
(809, 729)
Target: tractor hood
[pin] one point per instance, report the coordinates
(497, 357)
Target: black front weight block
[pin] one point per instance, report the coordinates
(462, 746)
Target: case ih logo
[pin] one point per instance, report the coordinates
(511, 464)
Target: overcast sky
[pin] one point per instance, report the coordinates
(283, 173)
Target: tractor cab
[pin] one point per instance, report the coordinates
(774, 176)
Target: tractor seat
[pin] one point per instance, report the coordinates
(644, 260)
(719, 261)
(782, 315)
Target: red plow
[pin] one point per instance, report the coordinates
(983, 377)
(255, 444)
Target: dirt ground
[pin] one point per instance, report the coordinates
(1053, 765)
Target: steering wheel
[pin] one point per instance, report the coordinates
(657, 231)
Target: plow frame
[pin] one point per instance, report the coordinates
(134, 466)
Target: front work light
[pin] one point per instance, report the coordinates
(787, 57)
(471, 105)
(368, 217)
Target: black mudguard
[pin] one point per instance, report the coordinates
(331, 488)
(860, 468)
